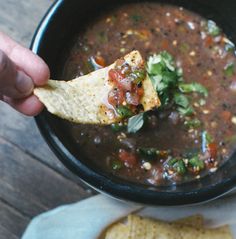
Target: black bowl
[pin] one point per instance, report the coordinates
(58, 28)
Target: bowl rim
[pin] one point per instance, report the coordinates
(116, 188)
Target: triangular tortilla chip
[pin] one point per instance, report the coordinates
(83, 100)
(194, 221)
(145, 228)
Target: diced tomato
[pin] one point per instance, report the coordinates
(129, 159)
(165, 44)
(226, 115)
(212, 147)
(132, 98)
(115, 75)
(100, 61)
(140, 91)
(125, 89)
(135, 95)
(116, 97)
(208, 41)
(125, 84)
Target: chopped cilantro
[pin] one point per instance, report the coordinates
(193, 87)
(116, 127)
(172, 161)
(184, 107)
(138, 76)
(180, 167)
(229, 46)
(116, 165)
(124, 111)
(213, 29)
(136, 18)
(168, 82)
(163, 74)
(195, 162)
(209, 138)
(195, 123)
(229, 70)
(186, 111)
(136, 122)
(181, 100)
(148, 152)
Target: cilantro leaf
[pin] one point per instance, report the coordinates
(229, 70)
(124, 111)
(178, 165)
(194, 123)
(163, 74)
(116, 127)
(186, 111)
(136, 18)
(213, 29)
(184, 106)
(180, 168)
(229, 46)
(148, 152)
(208, 138)
(193, 87)
(195, 162)
(181, 100)
(136, 122)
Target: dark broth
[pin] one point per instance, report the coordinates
(151, 28)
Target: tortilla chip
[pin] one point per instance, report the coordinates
(145, 228)
(83, 100)
(117, 231)
(194, 221)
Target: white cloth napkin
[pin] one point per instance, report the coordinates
(88, 218)
(82, 220)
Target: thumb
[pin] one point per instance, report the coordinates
(13, 83)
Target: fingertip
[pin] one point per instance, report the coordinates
(25, 60)
(42, 72)
(34, 66)
(30, 106)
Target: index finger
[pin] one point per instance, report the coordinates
(25, 60)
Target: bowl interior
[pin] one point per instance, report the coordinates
(52, 42)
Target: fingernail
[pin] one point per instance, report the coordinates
(24, 83)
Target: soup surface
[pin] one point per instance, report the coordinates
(175, 144)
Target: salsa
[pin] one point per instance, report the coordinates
(191, 63)
(125, 97)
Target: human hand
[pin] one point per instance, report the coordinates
(20, 71)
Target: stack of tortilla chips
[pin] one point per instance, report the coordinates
(136, 227)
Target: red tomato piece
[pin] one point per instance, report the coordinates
(140, 91)
(212, 147)
(129, 159)
(226, 115)
(132, 98)
(208, 41)
(125, 84)
(100, 61)
(116, 97)
(115, 75)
